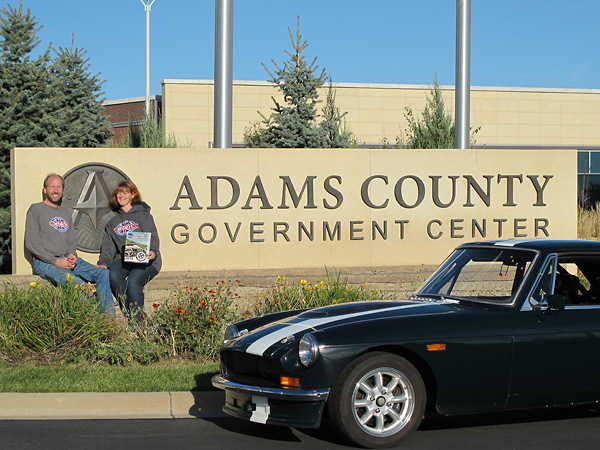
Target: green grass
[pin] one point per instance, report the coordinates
(165, 376)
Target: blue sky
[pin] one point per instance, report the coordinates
(518, 43)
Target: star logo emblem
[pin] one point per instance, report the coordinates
(88, 189)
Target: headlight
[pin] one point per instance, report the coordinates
(308, 350)
(231, 332)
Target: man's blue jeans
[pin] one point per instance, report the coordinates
(128, 281)
(82, 272)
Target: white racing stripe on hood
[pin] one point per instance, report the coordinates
(261, 345)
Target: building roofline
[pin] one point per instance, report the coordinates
(398, 86)
(131, 100)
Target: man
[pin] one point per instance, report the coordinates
(51, 239)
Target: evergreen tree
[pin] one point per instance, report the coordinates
(78, 120)
(293, 125)
(23, 83)
(336, 133)
(23, 105)
(150, 135)
(437, 127)
(42, 103)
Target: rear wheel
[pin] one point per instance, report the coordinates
(378, 400)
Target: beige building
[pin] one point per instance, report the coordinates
(508, 117)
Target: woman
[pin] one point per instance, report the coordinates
(127, 279)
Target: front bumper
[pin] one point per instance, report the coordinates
(273, 406)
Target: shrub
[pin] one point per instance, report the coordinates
(193, 319)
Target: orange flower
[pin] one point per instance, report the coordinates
(212, 291)
(212, 319)
(179, 311)
(155, 305)
(203, 303)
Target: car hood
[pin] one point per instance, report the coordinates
(287, 330)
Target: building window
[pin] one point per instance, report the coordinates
(588, 177)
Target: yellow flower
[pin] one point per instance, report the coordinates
(303, 282)
(129, 359)
(33, 284)
(70, 277)
(284, 278)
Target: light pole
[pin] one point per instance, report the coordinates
(147, 7)
(462, 81)
(223, 73)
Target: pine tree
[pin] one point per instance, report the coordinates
(436, 129)
(78, 120)
(336, 133)
(150, 134)
(42, 103)
(293, 124)
(23, 83)
(23, 105)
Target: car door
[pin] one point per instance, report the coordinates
(556, 352)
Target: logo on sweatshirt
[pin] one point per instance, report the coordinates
(59, 224)
(124, 227)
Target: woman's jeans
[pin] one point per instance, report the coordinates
(127, 281)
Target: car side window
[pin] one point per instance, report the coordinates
(578, 279)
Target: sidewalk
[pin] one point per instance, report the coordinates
(118, 405)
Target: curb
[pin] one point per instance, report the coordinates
(111, 405)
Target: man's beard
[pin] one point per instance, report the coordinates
(57, 202)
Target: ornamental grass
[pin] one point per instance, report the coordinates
(47, 322)
(302, 294)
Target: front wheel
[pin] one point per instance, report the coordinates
(378, 400)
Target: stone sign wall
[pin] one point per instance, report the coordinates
(237, 209)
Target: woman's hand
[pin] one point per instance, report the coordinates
(151, 255)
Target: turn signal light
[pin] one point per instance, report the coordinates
(436, 347)
(289, 382)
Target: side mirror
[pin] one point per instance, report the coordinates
(556, 301)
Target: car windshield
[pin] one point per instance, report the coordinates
(484, 274)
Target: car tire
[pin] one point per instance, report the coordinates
(378, 400)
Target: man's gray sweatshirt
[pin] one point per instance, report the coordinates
(49, 233)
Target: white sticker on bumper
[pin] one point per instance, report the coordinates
(261, 414)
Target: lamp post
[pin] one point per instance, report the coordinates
(147, 7)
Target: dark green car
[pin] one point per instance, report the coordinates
(500, 325)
